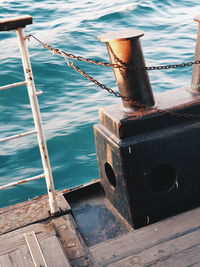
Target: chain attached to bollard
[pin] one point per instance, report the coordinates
(107, 64)
(111, 91)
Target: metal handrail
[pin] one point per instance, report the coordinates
(32, 93)
(22, 181)
(17, 136)
(12, 85)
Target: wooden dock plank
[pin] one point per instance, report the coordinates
(77, 252)
(25, 213)
(24, 251)
(184, 259)
(54, 253)
(11, 241)
(35, 250)
(69, 236)
(145, 238)
(17, 258)
(5, 261)
(195, 265)
(182, 251)
(37, 245)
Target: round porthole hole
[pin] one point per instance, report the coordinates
(110, 174)
(163, 178)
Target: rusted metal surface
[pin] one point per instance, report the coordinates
(196, 68)
(124, 48)
(124, 125)
(133, 103)
(68, 56)
(37, 120)
(18, 23)
(78, 192)
(14, 23)
(152, 159)
(22, 181)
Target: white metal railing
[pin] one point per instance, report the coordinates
(17, 136)
(12, 85)
(22, 181)
(29, 82)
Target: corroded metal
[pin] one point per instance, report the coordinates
(148, 162)
(65, 54)
(131, 101)
(37, 120)
(125, 50)
(196, 68)
(23, 181)
(18, 24)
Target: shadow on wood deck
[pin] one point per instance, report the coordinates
(92, 233)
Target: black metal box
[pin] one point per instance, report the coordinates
(149, 163)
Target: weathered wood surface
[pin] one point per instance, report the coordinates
(183, 251)
(17, 258)
(69, 236)
(173, 242)
(15, 252)
(54, 253)
(25, 213)
(35, 249)
(57, 238)
(11, 241)
(72, 242)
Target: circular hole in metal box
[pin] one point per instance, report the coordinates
(110, 174)
(163, 178)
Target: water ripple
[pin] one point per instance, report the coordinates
(70, 103)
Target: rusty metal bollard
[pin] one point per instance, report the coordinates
(196, 68)
(148, 160)
(124, 49)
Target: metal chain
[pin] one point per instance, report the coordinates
(134, 103)
(106, 64)
(111, 91)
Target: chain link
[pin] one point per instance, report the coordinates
(132, 102)
(111, 91)
(106, 64)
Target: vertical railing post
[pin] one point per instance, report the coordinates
(37, 120)
(196, 67)
(124, 49)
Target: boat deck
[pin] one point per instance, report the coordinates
(172, 242)
(30, 237)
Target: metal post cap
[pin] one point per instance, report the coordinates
(120, 36)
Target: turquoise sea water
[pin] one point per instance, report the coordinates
(70, 103)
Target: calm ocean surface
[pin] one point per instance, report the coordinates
(70, 103)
